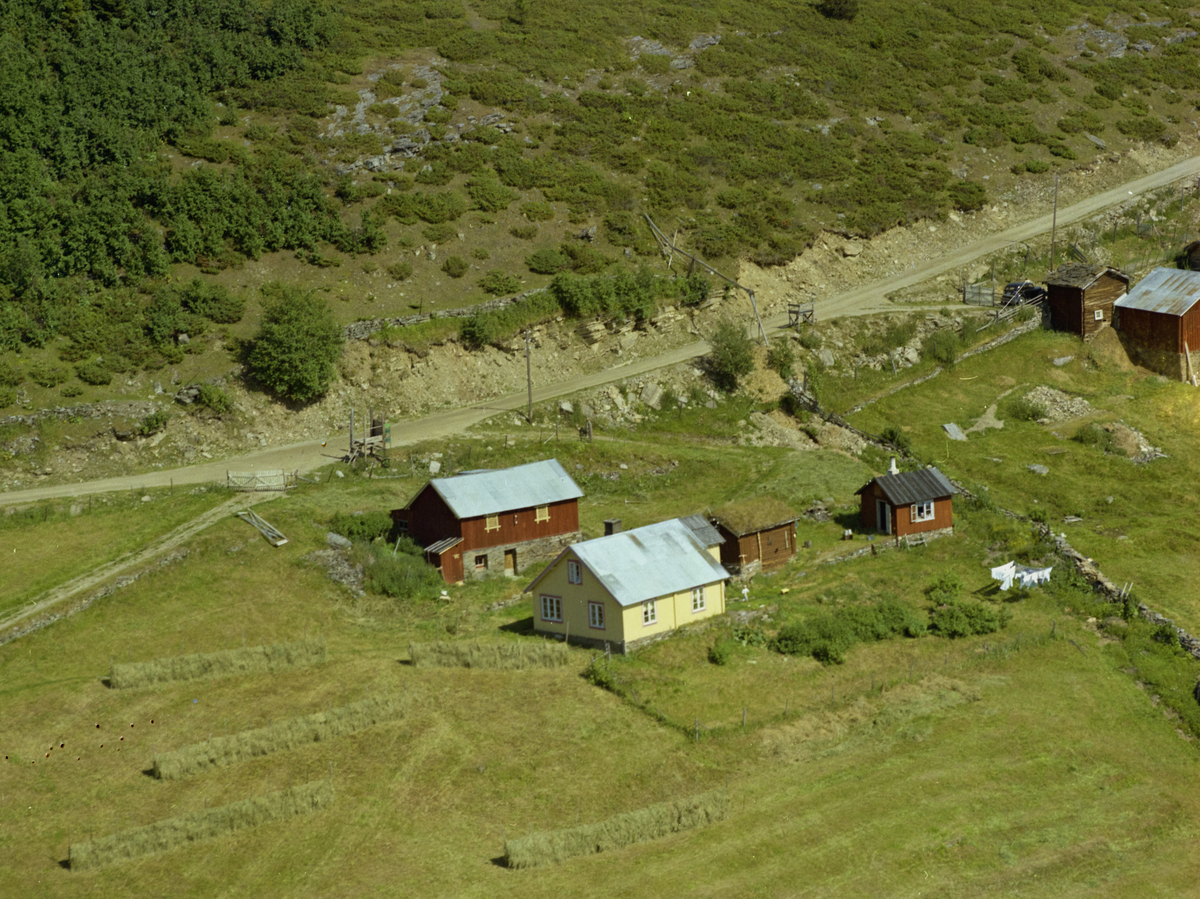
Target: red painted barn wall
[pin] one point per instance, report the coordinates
(519, 525)
(430, 519)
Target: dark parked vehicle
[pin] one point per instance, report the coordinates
(1019, 292)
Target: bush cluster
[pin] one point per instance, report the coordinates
(827, 636)
(364, 527)
(730, 356)
(402, 573)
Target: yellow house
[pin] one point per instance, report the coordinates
(631, 587)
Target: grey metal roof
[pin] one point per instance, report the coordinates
(1082, 274)
(649, 562)
(521, 487)
(703, 530)
(910, 487)
(442, 545)
(1166, 290)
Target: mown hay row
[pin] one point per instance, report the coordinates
(275, 738)
(201, 825)
(229, 662)
(533, 654)
(639, 826)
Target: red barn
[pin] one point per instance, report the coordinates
(1159, 322)
(482, 521)
(909, 502)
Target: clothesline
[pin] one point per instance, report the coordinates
(1026, 577)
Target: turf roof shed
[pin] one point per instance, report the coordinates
(757, 532)
(1081, 297)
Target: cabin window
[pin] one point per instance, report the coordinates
(402, 525)
(650, 612)
(596, 615)
(481, 563)
(698, 604)
(1098, 315)
(541, 513)
(491, 523)
(551, 608)
(922, 511)
(574, 572)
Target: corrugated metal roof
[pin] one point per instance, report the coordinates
(442, 545)
(520, 487)
(910, 487)
(1166, 290)
(649, 562)
(704, 531)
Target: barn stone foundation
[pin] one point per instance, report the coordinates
(541, 550)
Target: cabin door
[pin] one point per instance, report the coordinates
(883, 516)
(510, 561)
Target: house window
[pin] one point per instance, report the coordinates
(551, 608)
(481, 563)
(698, 604)
(541, 513)
(596, 615)
(402, 525)
(1098, 315)
(650, 611)
(491, 523)
(922, 511)
(574, 572)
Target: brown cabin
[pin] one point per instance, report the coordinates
(1159, 322)
(1081, 297)
(909, 502)
(759, 534)
(482, 521)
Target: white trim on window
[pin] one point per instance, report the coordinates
(491, 523)
(541, 513)
(551, 608)
(650, 612)
(698, 601)
(1098, 315)
(922, 511)
(596, 615)
(574, 572)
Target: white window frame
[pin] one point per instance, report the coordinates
(551, 607)
(574, 572)
(1098, 315)
(699, 603)
(596, 615)
(541, 513)
(649, 612)
(491, 523)
(922, 511)
(484, 566)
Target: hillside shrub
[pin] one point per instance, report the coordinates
(94, 372)
(730, 355)
(499, 283)
(401, 271)
(537, 211)
(489, 195)
(547, 261)
(721, 652)
(1022, 408)
(456, 266)
(402, 574)
(827, 636)
(942, 346)
(153, 423)
(964, 618)
(214, 398)
(897, 438)
(782, 359)
(297, 344)
(946, 587)
(1090, 434)
(969, 196)
(48, 374)
(364, 527)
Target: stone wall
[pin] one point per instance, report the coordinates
(92, 411)
(363, 330)
(528, 552)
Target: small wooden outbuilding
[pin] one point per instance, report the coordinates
(1081, 297)
(1159, 322)
(1190, 257)
(759, 534)
(491, 521)
(908, 502)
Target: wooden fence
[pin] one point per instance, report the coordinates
(253, 481)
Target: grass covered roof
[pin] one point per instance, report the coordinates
(749, 515)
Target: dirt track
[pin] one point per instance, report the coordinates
(864, 300)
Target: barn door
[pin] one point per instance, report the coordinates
(883, 516)
(510, 561)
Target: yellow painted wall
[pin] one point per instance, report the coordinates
(619, 624)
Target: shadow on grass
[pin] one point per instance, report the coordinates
(523, 626)
(65, 863)
(500, 862)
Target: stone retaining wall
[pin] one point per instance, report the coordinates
(363, 330)
(94, 411)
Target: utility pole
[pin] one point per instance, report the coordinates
(529, 375)
(1054, 223)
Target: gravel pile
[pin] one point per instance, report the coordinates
(1058, 405)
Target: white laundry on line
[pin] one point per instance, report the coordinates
(1026, 577)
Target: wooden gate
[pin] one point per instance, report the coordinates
(253, 481)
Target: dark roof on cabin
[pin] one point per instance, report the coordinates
(1166, 290)
(484, 492)
(910, 487)
(748, 516)
(1082, 275)
(704, 532)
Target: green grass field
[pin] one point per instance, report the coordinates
(1051, 758)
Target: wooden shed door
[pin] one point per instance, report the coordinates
(883, 516)
(510, 561)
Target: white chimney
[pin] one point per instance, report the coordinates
(892, 469)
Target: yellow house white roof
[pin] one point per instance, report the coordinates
(646, 562)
